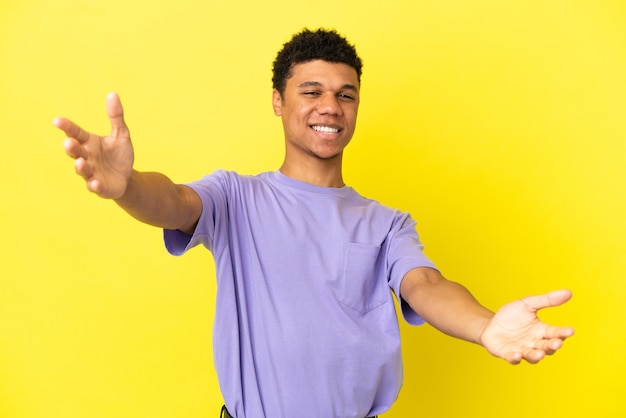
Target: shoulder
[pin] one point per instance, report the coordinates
(376, 206)
(230, 178)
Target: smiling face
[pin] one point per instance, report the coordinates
(318, 110)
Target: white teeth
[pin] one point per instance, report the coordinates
(326, 129)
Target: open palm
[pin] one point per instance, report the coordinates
(516, 333)
(105, 162)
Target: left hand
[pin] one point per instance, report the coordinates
(515, 333)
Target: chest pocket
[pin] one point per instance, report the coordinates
(363, 286)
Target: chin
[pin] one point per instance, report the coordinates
(327, 155)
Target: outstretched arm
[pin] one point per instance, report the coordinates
(513, 333)
(106, 164)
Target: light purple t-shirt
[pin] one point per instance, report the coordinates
(305, 324)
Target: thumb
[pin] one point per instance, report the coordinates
(116, 113)
(548, 300)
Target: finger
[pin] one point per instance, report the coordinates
(559, 332)
(553, 346)
(83, 169)
(71, 129)
(74, 149)
(86, 172)
(534, 356)
(116, 113)
(549, 346)
(94, 186)
(548, 300)
(513, 357)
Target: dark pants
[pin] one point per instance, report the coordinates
(224, 413)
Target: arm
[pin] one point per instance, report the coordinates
(444, 304)
(514, 333)
(106, 164)
(154, 199)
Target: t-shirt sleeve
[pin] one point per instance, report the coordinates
(405, 252)
(211, 190)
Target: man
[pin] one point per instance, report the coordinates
(305, 324)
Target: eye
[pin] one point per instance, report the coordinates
(344, 96)
(311, 93)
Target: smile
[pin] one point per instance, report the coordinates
(325, 129)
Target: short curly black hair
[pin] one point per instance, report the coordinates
(309, 45)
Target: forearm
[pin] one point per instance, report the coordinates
(154, 199)
(446, 305)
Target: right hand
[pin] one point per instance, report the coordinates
(105, 162)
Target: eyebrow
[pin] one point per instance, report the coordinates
(318, 84)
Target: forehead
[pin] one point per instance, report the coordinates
(329, 74)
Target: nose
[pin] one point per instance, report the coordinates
(329, 105)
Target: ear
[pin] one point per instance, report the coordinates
(277, 103)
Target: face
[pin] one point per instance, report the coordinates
(318, 109)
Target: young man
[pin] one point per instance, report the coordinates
(305, 325)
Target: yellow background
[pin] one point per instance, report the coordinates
(500, 125)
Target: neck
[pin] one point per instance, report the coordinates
(324, 173)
